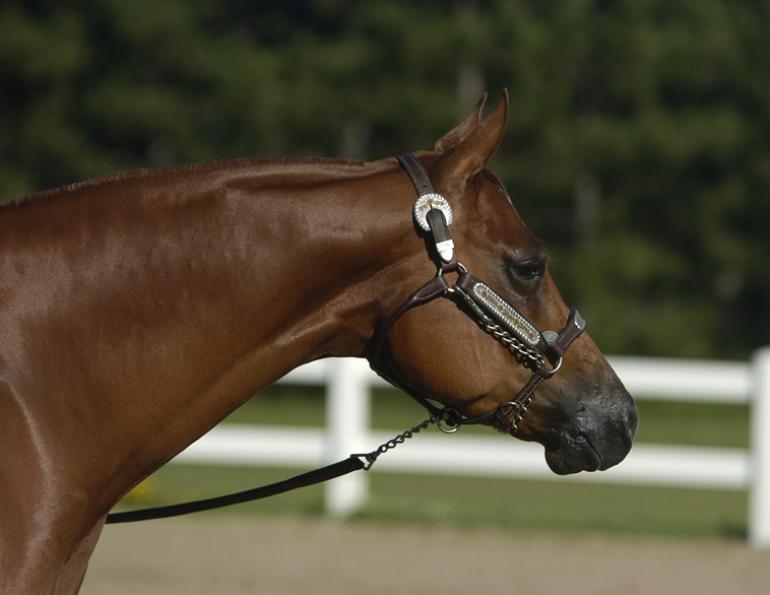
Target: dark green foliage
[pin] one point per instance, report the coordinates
(638, 145)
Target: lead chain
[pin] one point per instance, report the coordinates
(517, 411)
(371, 457)
(518, 416)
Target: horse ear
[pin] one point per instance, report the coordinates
(463, 129)
(458, 165)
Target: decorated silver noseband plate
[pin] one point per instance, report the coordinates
(506, 314)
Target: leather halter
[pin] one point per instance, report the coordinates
(539, 351)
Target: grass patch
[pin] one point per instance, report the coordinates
(557, 506)
(699, 424)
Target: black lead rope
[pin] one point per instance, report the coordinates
(354, 462)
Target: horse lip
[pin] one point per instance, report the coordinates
(595, 452)
(573, 455)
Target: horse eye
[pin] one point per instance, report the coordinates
(529, 270)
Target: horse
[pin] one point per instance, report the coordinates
(138, 310)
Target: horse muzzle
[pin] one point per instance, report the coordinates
(595, 437)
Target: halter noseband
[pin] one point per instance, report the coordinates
(539, 351)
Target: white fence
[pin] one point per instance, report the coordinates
(348, 382)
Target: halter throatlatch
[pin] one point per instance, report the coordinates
(539, 351)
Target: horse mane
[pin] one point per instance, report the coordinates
(267, 166)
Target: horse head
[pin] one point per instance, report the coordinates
(583, 415)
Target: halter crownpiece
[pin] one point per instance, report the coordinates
(539, 351)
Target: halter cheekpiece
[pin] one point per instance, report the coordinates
(539, 351)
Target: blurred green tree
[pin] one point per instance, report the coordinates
(638, 145)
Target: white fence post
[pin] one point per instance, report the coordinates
(759, 490)
(347, 421)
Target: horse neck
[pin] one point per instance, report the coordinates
(284, 249)
(286, 262)
(187, 291)
(318, 252)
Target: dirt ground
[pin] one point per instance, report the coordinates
(232, 555)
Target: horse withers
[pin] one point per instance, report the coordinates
(138, 310)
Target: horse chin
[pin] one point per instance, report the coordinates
(574, 458)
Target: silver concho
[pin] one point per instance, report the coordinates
(425, 203)
(507, 314)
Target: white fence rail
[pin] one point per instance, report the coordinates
(348, 382)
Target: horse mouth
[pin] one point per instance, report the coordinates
(565, 454)
(589, 448)
(575, 454)
(593, 435)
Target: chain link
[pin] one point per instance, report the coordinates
(527, 357)
(519, 411)
(371, 457)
